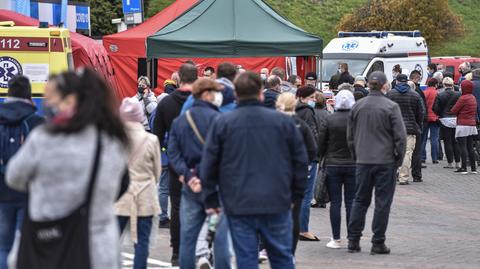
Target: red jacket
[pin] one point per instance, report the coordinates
(430, 96)
(466, 109)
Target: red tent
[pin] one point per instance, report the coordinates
(86, 51)
(125, 48)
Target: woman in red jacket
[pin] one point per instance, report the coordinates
(466, 111)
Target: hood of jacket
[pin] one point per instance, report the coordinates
(15, 111)
(228, 91)
(302, 106)
(402, 87)
(467, 91)
(180, 96)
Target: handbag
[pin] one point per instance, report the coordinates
(321, 191)
(62, 243)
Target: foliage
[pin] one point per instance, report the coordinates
(433, 18)
(155, 6)
(101, 14)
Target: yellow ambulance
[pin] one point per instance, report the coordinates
(35, 52)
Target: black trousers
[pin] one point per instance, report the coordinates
(417, 158)
(466, 148)
(378, 177)
(175, 187)
(452, 149)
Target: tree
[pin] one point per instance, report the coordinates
(101, 14)
(154, 6)
(434, 18)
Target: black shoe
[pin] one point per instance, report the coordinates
(461, 171)
(354, 246)
(174, 260)
(379, 249)
(435, 162)
(424, 161)
(164, 224)
(417, 180)
(424, 166)
(403, 183)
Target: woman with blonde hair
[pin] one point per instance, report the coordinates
(286, 103)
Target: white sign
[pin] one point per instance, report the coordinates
(36, 72)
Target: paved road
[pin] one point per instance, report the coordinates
(434, 224)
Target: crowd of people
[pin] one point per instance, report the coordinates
(235, 155)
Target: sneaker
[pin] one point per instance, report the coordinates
(474, 172)
(262, 256)
(461, 171)
(435, 162)
(174, 260)
(403, 183)
(334, 243)
(204, 263)
(424, 166)
(164, 224)
(354, 246)
(379, 249)
(417, 180)
(449, 166)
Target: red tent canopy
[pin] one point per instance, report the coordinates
(86, 51)
(125, 48)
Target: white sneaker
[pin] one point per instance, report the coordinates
(204, 263)
(262, 256)
(334, 244)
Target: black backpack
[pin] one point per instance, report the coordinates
(12, 137)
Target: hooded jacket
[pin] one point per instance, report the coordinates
(167, 110)
(13, 112)
(466, 109)
(270, 98)
(430, 96)
(476, 92)
(445, 102)
(333, 140)
(410, 105)
(307, 113)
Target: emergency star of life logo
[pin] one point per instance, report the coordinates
(350, 45)
(419, 69)
(9, 67)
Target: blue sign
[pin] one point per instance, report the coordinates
(350, 45)
(132, 6)
(83, 19)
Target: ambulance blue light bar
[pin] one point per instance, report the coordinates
(381, 34)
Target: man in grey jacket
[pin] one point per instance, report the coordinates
(377, 138)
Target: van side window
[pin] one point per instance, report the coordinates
(376, 66)
(451, 69)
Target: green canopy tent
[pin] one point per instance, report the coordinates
(231, 28)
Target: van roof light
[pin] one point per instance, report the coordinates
(380, 34)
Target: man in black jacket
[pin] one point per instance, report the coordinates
(272, 91)
(17, 111)
(167, 110)
(377, 137)
(417, 166)
(412, 112)
(255, 157)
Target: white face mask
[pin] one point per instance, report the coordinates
(218, 99)
(263, 76)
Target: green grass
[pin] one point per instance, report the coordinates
(320, 17)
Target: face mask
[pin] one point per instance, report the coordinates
(50, 112)
(218, 99)
(311, 103)
(140, 89)
(263, 76)
(339, 71)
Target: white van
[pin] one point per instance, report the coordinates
(365, 52)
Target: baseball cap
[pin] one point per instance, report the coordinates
(378, 76)
(402, 78)
(311, 76)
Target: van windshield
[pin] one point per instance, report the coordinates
(330, 67)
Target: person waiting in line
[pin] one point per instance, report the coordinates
(147, 98)
(140, 203)
(339, 163)
(431, 126)
(397, 70)
(170, 85)
(72, 167)
(359, 85)
(209, 72)
(442, 107)
(286, 103)
(345, 76)
(306, 111)
(311, 79)
(272, 91)
(466, 111)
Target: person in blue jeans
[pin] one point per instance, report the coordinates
(254, 160)
(339, 162)
(17, 111)
(164, 221)
(186, 142)
(432, 125)
(139, 203)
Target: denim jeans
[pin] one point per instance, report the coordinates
(434, 129)
(338, 176)
(163, 194)
(11, 218)
(306, 203)
(192, 217)
(275, 230)
(369, 177)
(144, 227)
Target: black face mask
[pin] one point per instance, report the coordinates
(140, 89)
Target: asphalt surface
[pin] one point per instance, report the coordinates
(433, 224)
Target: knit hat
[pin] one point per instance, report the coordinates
(360, 79)
(344, 100)
(448, 81)
(132, 110)
(311, 76)
(305, 91)
(467, 87)
(144, 78)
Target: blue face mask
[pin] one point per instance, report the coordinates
(311, 103)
